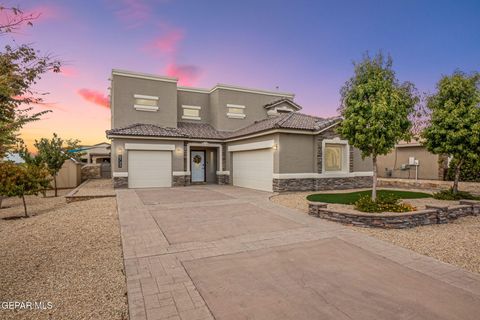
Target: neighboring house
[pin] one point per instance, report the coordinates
(165, 135)
(14, 157)
(98, 153)
(411, 160)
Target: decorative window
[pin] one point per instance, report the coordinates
(191, 112)
(145, 103)
(235, 111)
(335, 156)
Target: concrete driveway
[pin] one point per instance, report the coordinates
(221, 252)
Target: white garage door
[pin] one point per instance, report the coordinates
(148, 169)
(253, 169)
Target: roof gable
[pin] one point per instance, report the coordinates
(283, 104)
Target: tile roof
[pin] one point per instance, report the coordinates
(293, 120)
(279, 101)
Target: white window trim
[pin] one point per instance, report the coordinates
(346, 160)
(206, 144)
(145, 108)
(142, 96)
(236, 115)
(238, 106)
(119, 174)
(252, 146)
(147, 146)
(191, 108)
(191, 118)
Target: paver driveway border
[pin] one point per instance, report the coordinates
(160, 288)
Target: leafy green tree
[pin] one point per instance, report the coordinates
(454, 127)
(54, 152)
(19, 180)
(376, 108)
(37, 161)
(21, 66)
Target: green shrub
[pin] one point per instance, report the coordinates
(469, 171)
(385, 203)
(449, 195)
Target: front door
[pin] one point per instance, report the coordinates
(198, 166)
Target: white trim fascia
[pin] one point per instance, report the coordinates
(191, 118)
(238, 106)
(181, 173)
(142, 96)
(192, 89)
(252, 146)
(236, 115)
(145, 108)
(113, 136)
(140, 75)
(290, 102)
(147, 146)
(314, 175)
(249, 90)
(206, 144)
(119, 174)
(227, 173)
(191, 107)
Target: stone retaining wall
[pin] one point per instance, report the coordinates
(321, 184)
(431, 215)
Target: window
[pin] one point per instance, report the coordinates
(334, 157)
(145, 103)
(191, 112)
(235, 111)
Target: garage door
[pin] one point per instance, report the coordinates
(148, 169)
(253, 169)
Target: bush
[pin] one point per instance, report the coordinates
(470, 171)
(449, 195)
(384, 203)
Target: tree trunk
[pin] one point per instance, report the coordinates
(374, 187)
(457, 177)
(55, 184)
(24, 206)
(1, 200)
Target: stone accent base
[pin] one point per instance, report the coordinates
(120, 182)
(317, 184)
(431, 215)
(180, 181)
(223, 179)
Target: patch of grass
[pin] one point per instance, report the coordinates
(352, 197)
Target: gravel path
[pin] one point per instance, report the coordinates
(457, 243)
(96, 187)
(69, 255)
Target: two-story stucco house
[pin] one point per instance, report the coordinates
(166, 135)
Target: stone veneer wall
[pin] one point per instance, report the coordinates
(91, 171)
(180, 181)
(120, 182)
(328, 134)
(321, 184)
(223, 179)
(431, 215)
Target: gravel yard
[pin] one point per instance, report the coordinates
(69, 255)
(457, 243)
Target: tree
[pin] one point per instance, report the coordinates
(21, 67)
(454, 127)
(54, 152)
(19, 180)
(37, 161)
(376, 108)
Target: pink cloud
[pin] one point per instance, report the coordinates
(187, 74)
(69, 71)
(133, 12)
(95, 97)
(168, 42)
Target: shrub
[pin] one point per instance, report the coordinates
(449, 195)
(384, 203)
(470, 170)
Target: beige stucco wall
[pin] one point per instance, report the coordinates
(194, 99)
(177, 157)
(296, 153)
(359, 164)
(254, 108)
(123, 91)
(274, 137)
(69, 175)
(428, 168)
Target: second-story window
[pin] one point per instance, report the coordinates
(145, 103)
(191, 112)
(235, 111)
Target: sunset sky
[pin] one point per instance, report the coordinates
(304, 47)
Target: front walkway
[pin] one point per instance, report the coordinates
(221, 252)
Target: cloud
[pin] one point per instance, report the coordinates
(133, 12)
(94, 96)
(187, 74)
(68, 71)
(167, 43)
